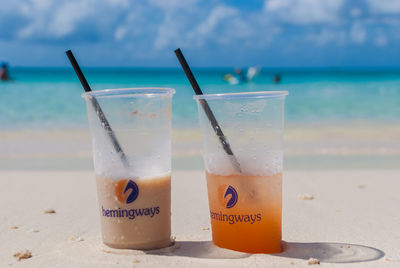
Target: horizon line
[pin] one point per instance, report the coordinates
(215, 67)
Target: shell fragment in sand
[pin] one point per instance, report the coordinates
(78, 239)
(25, 254)
(49, 211)
(312, 261)
(305, 197)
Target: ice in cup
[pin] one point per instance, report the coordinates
(133, 183)
(245, 199)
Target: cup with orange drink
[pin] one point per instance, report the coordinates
(245, 182)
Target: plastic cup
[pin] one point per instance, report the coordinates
(134, 197)
(245, 204)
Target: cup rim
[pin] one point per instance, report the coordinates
(146, 92)
(243, 95)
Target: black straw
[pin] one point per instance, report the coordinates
(97, 108)
(207, 109)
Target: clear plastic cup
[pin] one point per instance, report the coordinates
(133, 182)
(244, 189)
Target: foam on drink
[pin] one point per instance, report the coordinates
(256, 163)
(149, 154)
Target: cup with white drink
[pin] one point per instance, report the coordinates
(131, 139)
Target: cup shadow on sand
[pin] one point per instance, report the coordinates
(324, 251)
(198, 249)
(330, 252)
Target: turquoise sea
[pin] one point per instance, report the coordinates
(335, 118)
(48, 98)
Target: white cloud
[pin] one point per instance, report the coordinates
(120, 33)
(220, 24)
(381, 40)
(150, 28)
(26, 32)
(355, 12)
(42, 5)
(358, 33)
(169, 32)
(327, 36)
(217, 15)
(173, 5)
(120, 3)
(177, 17)
(226, 25)
(68, 16)
(53, 20)
(304, 12)
(384, 6)
(395, 22)
(138, 21)
(36, 12)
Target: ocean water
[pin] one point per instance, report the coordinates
(50, 98)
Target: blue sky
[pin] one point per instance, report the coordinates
(274, 33)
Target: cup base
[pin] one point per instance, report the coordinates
(266, 250)
(142, 246)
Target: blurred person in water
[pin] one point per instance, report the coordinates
(241, 76)
(4, 72)
(277, 78)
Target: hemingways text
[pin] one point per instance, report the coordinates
(234, 218)
(130, 213)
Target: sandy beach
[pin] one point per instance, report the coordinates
(327, 215)
(307, 146)
(307, 90)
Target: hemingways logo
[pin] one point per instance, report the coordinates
(228, 197)
(126, 192)
(233, 199)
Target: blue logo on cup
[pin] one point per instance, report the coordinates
(234, 197)
(126, 191)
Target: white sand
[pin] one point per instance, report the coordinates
(355, 138)
(353, 217)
